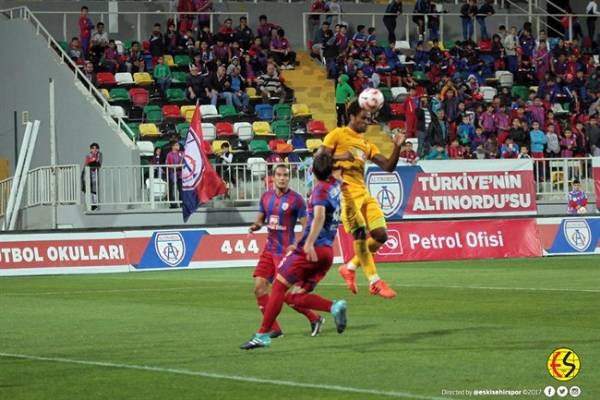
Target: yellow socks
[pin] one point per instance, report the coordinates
(365, 259)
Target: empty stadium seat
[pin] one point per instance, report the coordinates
(316, 127)
(135, 131)
(504, 78)
(244, 131)
(105, 79)
(209, 132)
(182, 128)
(117, 112)
(227, 111)
(402, 45)
(520, 91)
(313, 144)
(139, 97)
(224, 129)
(149, 130)
(168, 60)
(178, 77)
(399, 93)
(171, 111)
(124, 78)
(420, 76)
(158, 191)
(264, 112)
(258, 167)
(299, 143)
(281, 129)
(182, 60)
(262, 128)
(273, 143)
(105, 93)
(119, 94)
(208, 111)
(153, 114)
(187, 112)
(387, 93)
(259, 146)
(488, 93)
(145, 148)
(251, 92)
(175, 95)
(300, 110)
(282, 111)
(143, 79)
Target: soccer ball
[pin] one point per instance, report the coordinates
(581, 210)
(371, 100)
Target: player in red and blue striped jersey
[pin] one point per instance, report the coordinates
(280, 209)
(309, 263)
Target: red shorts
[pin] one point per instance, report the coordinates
(297, 270)
(267, 265)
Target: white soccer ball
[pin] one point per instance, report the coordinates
(371, 99)
(582, 210)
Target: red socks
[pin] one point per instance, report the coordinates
(262, 306)
(311, 301)
(273, 307)
(289, 300)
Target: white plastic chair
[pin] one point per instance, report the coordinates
(209, 111)
(159, 189)
(488, 93)
(145, 148)
(209, 132)
(244, 131)
(117, 112)
(124, 78)
(258, 167)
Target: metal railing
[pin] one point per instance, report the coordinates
(554, 177)
(123, 131)
(448, 21)
(38, 191)
(70, 19)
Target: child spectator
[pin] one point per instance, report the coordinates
(524, 152)
(226, 159)
(568, 144)
(491, 147)
(437, 153)
(538, 141)
(408, 154)
(465, 130)
(75, 52)
(509, 149)
(577, 199)
(455, 151)
(173, 161)
(343, 94)
(93, 160)
(110, 59)
(478, 139)
(553, 144)
(157, 42)
(134, 62)
(172, 40)
(155, 161)
(162, 76)
(85, 30)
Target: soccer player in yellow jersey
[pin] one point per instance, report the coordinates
(360, 211)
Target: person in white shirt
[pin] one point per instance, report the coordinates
(510, 48)
(592, 9)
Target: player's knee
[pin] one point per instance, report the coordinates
(380, 235)
(261, 288)
(360, 234)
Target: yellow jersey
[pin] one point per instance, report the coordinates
(343, 140)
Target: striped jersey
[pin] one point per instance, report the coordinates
(281, 213)
(326, 194)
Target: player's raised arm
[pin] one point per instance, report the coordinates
(389, 164)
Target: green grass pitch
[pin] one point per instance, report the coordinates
(486, 324)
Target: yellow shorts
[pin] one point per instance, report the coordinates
(360, 210)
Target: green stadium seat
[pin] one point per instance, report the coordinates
(520, 91)
(282, 111)
(259, 146)
(420, 76)
(152, 114)
(127, 44)
(64, 45)
(383, 43)
(179, 76)
(449, 44)
(227, 111)
(281, 129)
(119, 94)
(160, 143)
(182, 60)
(175, 95)
(387, 93)
(134, 129)
(182, 128)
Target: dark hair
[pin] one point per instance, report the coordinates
(135, 42)
(280, 32)
(360, 28)
(100, 24)
(576, 181)
(277, 166)
(322, 165)
(243, 18)
(370, 30)
(84, 8)
(262, 17)
(354, 108)
(96, 145)
(74, 38)
(224, 144)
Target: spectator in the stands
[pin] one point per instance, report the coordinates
(99, 43)
(204, 7)
(517, 133)
(281, 52)
(218, 86)
(226, 31)
(93, 160)
(438, 152)
(343, 95)
(226, 159)
(269, 85)
(162, 75)
(538, 140)
(207, 36)
(240, 98)
(577, 199)
(486, 10)
(221, 51)
(110, 58)
(186, 21)
(243, 34)
(320, 39)
(156, 161)
(85, 30)
(438, 133)
(88, 71)
(394, 7)
(332, 7)
(422, 8)
(468, 11)
(172, 39)
(455, 150)
(135, 59)
(174, 161)
(75, 52)
(317, 7)
(511, 44)
(157, 42)
(592, 10)
(552, 143)
(524, 153)
(424, 117)
(509, 149)
(264, 29)
(194, 86)
(592, 132)
(568, 144)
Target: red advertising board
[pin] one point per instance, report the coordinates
(596, 176)
(451, 240)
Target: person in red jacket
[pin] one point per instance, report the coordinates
(410, 113)
(85, 30)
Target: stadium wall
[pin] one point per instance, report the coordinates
(177, 247)
(27, 66)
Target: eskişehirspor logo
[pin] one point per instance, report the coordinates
(170, 247)
(387, 188)
(563, 364)
(578, 234)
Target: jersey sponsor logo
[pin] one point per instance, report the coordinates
(578, 234)
(170, 247)
(387, 188)
(274, 223)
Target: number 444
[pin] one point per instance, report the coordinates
(239, 247)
